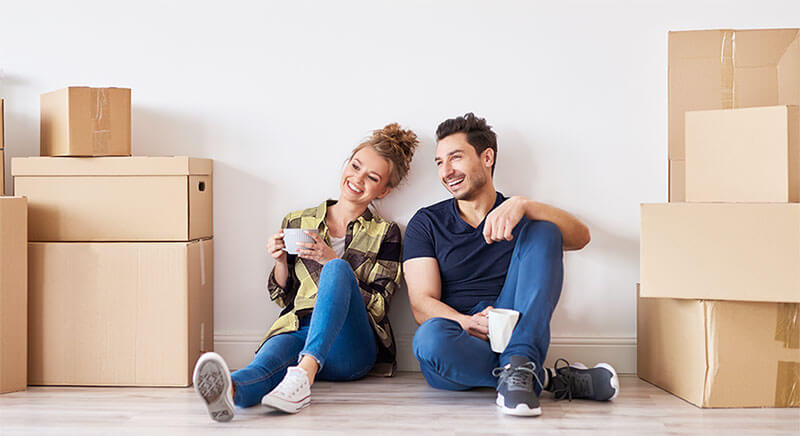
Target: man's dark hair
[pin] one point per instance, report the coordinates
(479, 134)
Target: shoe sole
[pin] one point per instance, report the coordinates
(286, 406)
(211, 383)
(520, 410)
(614, 381)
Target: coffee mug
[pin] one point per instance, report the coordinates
(501, 326)
(292, 236)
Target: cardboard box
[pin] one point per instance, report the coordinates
(81, 121)
(743, 155)
(13, 294)
(119, 314)
(116, 198)
(726, 69)
(677, 181)
(721, 251)
(721, 353)
(2, 173)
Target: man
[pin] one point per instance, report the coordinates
(479, 250)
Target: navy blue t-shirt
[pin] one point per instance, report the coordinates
(472, 270)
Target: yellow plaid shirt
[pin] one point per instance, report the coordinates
(372, 248)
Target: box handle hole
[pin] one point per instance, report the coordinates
(201, 186)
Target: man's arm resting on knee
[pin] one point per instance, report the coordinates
(501, 221)
(425, 295)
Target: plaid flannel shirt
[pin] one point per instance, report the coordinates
(372, 248)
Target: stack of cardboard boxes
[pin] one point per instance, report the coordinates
(13, 284)
(718, 313)
(120, 250)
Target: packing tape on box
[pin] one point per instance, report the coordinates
(101, 120)
(787, 385)
(727, 61)
(787, 328)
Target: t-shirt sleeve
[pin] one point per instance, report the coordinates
(419, 238)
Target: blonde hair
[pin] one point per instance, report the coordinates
(396, 146)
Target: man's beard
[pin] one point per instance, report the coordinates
(476, 184)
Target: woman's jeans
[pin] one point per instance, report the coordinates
(337, 335)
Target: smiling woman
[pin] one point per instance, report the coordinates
(335, 292)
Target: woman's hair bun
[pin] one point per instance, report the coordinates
(396, 145)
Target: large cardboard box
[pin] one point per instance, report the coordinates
(116, 198)
(721, 251)
(119, 314)
(13, 294)
(743, 155)
(721, 353)
(677, 180)
(726, 69)
(2, 173)
(81, 121)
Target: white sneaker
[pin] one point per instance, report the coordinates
(292, 394)
(212, 381)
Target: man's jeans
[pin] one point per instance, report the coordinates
(337, 335)
(451, 358)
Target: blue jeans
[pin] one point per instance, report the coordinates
(451, 358)
(337, 335)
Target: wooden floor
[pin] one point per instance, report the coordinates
(376, 406)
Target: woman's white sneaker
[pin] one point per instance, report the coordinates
(292, 394)
(212, 381)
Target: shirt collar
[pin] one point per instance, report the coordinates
(322, 211)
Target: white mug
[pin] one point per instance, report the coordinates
(292, 236)
(501, 326)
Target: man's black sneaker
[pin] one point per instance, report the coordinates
(515, 395)
(577, 381)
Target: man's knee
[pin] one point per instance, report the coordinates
(433, 337)
(542, 234)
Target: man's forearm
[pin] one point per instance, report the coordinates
(425, 308)
(574, 233)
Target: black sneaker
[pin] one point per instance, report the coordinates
(577, 381)
(515, 395)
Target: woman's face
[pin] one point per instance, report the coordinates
(365, 177)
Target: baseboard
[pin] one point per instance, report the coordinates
(238, 347)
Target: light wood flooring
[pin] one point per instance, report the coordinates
(376, 406)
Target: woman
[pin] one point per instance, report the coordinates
(335, 292)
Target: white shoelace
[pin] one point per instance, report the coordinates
(295, 381)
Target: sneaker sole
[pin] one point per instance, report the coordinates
(212, 385)
(286, 406)
(614, 381)
(520, 410)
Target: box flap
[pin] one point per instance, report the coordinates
(736, 332)
(110, 166)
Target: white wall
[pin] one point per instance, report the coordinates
(277, 93)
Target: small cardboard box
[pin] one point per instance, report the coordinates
(116, 198)
(13, 294)
(721, 251)
(743, 155)
(721, 353)
(82, 121)
(726, 69)
(119, 314)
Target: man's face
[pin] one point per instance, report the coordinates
(462, 171)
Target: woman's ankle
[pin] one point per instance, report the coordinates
(310, 366)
